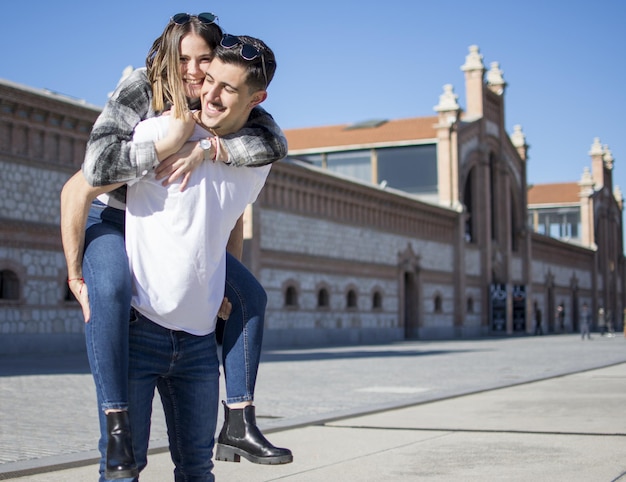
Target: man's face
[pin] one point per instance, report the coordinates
(226, 99)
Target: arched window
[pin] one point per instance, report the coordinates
(469, 207)
(492, 195)
(377, 300)
(437, 304)
(291, 297)
(9, 285)
(351, 299)
(516, 228)
(323, 298)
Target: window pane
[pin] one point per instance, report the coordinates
(357, 164)
(315, 159)
(412, 169)
(560, 222)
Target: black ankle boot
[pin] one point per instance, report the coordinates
(240, 437)
(120, 463)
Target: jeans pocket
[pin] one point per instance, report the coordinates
(134, 317)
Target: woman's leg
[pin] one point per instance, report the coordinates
(106, 273)
(241, 352)
(243, 332)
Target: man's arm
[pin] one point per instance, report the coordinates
(76, 198)
(258, 143)
(235, 242)
(235, 248)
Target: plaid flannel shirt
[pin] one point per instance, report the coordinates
(112, 157)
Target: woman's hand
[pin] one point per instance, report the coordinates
(180, 164)
(225, 309)
(176, 158)
(79, 290)
(181, 128)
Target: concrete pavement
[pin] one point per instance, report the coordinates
(532, 408)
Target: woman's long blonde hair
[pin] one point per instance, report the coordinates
(163, 63)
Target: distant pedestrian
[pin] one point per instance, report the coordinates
(538, 327)
(609, 324)
(560, 316)
(601, 322)
(585, 322)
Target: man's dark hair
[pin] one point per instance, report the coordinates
(251, 53)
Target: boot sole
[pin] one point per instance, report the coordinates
(227, 453)
(121, 474)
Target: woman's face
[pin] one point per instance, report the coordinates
(194, 61)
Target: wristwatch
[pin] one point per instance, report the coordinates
(206, 146)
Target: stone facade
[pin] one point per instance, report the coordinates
(42, 142)
(342, 260)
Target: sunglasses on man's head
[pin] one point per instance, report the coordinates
(183, 18)
(248, 51)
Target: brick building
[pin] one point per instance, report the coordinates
(42, 142)
(378, 231)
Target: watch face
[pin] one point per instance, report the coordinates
(205, 144)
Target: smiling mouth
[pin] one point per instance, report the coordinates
(214, 108)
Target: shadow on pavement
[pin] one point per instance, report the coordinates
(44, 364)
(311, 355)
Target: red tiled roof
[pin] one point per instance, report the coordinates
(417, 128)
(557, 193)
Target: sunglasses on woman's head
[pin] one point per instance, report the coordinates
(183, 18)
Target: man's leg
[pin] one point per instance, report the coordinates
(150, 357)
(189, 393)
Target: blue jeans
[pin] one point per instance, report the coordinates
(243, 331)
(105, 269)
(106, 273)
(185, 369)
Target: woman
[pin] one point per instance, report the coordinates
(172, 79)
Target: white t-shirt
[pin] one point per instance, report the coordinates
(176, 241)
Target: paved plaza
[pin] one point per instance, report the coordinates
(419, 410)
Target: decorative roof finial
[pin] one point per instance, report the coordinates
(596, 148)
(518, 138)
(474, 60)
(607, 156)
(586, 183)
(447, 100)
(494, 76)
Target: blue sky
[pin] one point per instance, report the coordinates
(347, 61)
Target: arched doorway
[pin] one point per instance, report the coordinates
(409, 290)
(410, 305)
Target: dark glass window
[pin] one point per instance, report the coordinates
(291, 297)
(351, 299)
(356, 164)
(377, 301)
(9, 285)
(322, 298)
(412, 168)
(437, 304)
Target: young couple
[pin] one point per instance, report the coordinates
(190, 176)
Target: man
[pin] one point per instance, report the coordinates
(176, 243)
(585, 322)
(538, 327)
(560, 316)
